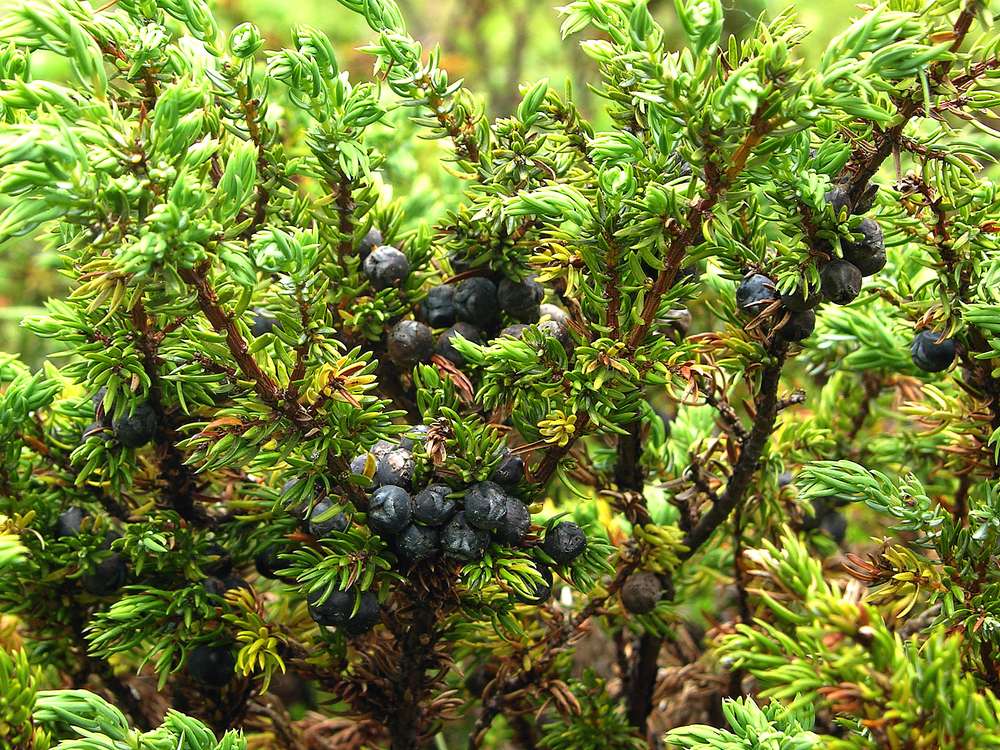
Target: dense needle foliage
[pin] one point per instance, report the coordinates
(572, 466)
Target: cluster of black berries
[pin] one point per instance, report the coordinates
(111, 570)
(131, 430)
(476, 309)
(840, 278)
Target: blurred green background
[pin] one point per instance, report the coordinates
(493, 44)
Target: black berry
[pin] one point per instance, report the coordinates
(462, 541)
(322, 519)
(418, 542)
(395, 468)
(476, 301)
(485, 505)
(515, 331)
(834, 525)
(335, 609)
(438, 307)
(798, 301)
(520, 299)
(841, 281)
(839, 200)
(369, 242)
(515, 524)
(410, 439)
(382, 447)
(444, 346)
(390, 510)
(555, 323)
(136, 429)
(69, 521)
(543, 589)
(640, 592)
(386, 267)
(754, 293)
(410, 342)
(931, 354)
(268, 563)
(432, 505)
(509, 471)
(219, 586)
(211, 665)
(799, 326)
(107, 577)
(263, 322)
(564, 542)
(868, 253)
(367, 616)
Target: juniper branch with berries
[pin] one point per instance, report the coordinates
(414, 468)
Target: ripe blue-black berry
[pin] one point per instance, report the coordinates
(390, 510)
(334, 609)
(841, 281)
(395, 468)
(754, 293)
(462, 541)
(799, 326)
(386, 267)
(520, 299)
(515, 524)
(867, 253)
(417, 433)
(410, 342)
(417, 542)
(432, 506)
(476, 301)
(107, 577)
(69, 521)
(564, 542)
(438, 307)
(515, 331)
(268, 563)
(322, 519)
(931, 354)
(136, 429)
(640, 592)
(509, 471)
(485, 505)
(444, 346)
(369, 242)
(263, 322)
(211, 665)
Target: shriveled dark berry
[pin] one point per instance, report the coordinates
(867, 253)
(509, 471)
(476, 301)
(263, 322)
(841, 281)
(798, 301)
(485, 505)
(444, 345)
(462, 541)
(69, 521)
(520, 299)
(799, 326)
(515, 524)
(417, 542)
(322, 519)
(564, 542)
(367, 616)
(866, 201)
(107, 577)
(136, 429)
(334, 609)
(395, 468)
(416, 434)
(438, 307)
(543, 589)
(390, 510)
(268, 563)
(410, 342)
(386, 267)
(432, 506)
(515, 331)
(754, 293)
(931, 354)
(211, 665)
(641, 591)
(369, 242)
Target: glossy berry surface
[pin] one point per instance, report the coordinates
(136, 429)
(520, 299)
(410, 342)
(438, 307)
(444, 345)
(867, 253)
(509, 471)
(515, 524)
(799, 326)
(69, 521)
(798, 301)
(322, 519)
(838, 199)
(754, 293)
(417, 542)
(333, 609)
(386, 267)
(565, 542)
(390, 510)
(432, 506)
(263, 322)
(485, 505)
(395, 468)
(515, 331)
(931, 354)
(211, 665)
(841, 281)
(268, 563)
(462, 541)
(476, 301)
(367, 616)
(369, 242)
(640, 592)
